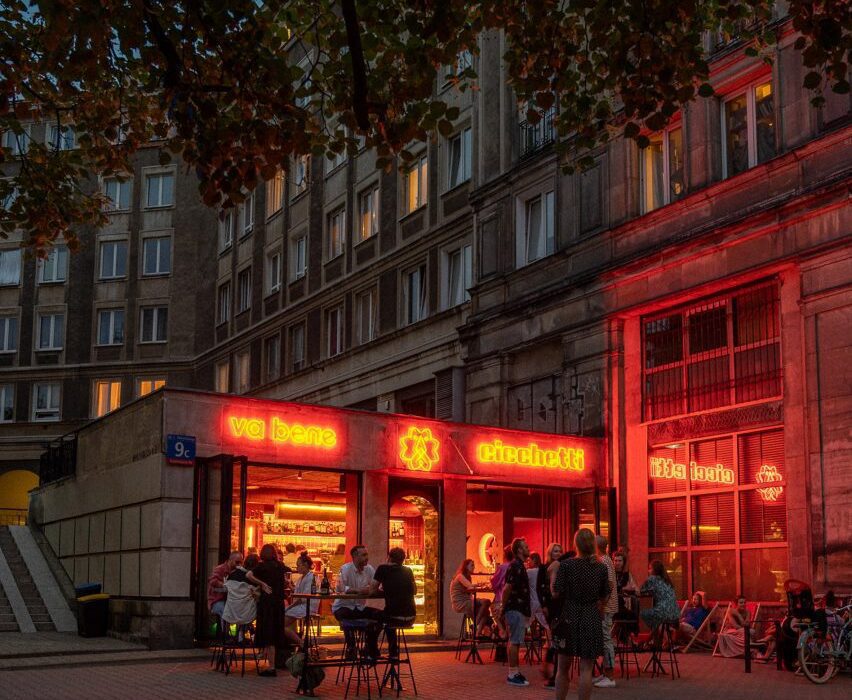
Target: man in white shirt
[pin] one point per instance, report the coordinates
(356, 577)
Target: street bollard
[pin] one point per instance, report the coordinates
(747, 630)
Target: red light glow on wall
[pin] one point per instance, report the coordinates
(281, 432)
(665, 468)
(531, 455)
(769, 474)
(419, 450)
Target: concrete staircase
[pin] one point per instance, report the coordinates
(8, 623)
(29, 592)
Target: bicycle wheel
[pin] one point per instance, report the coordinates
(816, 657)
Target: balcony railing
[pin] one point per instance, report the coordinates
(534, 137)
(13, 516)
(59, 460)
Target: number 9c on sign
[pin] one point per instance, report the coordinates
(180, 449)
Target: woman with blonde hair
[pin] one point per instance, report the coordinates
(583, 583)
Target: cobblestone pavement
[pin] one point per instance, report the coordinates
(439, 677)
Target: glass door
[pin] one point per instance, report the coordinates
(595, 509)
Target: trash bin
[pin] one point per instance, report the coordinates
(85, 589)
(93, 615)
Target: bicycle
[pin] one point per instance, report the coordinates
(824, 650)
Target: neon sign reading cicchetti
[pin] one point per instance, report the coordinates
(665, 468)
(531, 455)
(281, 431)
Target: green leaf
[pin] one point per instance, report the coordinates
(706, 90)
(812, 80)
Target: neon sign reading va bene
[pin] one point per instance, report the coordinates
(282, 432)
(665, 468)
(495, 452)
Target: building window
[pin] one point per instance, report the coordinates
(148, 386)
(62, 138)
(223, 305)
(273, 271)
(459, 153)
(157, 256)
(297, 347)
(113, 259)
(243, 360)
(298, 257)
(117, 191)
(336, 228)
(243, 290)
(748, 125)
(46, 398)
(368, 221)
(458, 276)
(366, 308)
(159, 190)
(272, 357)
(535, 135)
(717, 353)
(696, 489)
(247, 215)
(8, 334)
(536, 235)
(223, 377)
(10, 267)
(154, 321)
(303, 85)
(7, 403)
(662, 172)
(464, 60)
(301, 174)
(53, 268)
(338, 160)
(111, 327)
(416, 185)
(334, 331)
(17, 144)
(274, 194)
(51, 329)
(226, 229)
(108, 397)
(414, 294)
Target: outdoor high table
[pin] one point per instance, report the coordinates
(302, 687)
(473, 655)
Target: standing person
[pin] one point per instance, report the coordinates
(269, 574)
(583, 582)
(296, 612)
(216, 591)
(659, 585)
(515, 607)
(535, 603)
(605, 680)
(461, 596)
(628, 605)
(356, 577)
(497, 582)
(290, 557)
(550, 606)
(397, 583)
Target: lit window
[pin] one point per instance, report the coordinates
(536, 237)
(334, 330)
(157, 256)
(274, 194)
(147, 386)
(367, 310)
(46, 398)
(414, 295)
(160, 190)
(247, 214)
(62, 138)
(223, 305)
(154, 322)
(51, 329)
(17, 143)
(297, 347)
(301, 174)
(108, 396)
(272, 357)
(54, 267)
(117, 192)
(113, 259)
(298, 257)
(243, 360)
(226, 229)
(459, 154)
(243, 290)
(368, 223)
(111, 327)
(10, 267)
(7, 403)
(336, 227)
(662, 170)
(416, 185)
(8, 334)
(458, 273)
(273, 271)
(748, 122)
(223, 377)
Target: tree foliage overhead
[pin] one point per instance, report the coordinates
(235, 88)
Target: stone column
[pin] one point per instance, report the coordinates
(454, 549)
(374, 515)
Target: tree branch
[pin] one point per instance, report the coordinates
(359, 69)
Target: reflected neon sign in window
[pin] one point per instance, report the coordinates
(281, 432)
(769, 474)
(665, 468)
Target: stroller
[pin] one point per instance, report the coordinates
(800, 608)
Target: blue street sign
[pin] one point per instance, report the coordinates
(180, 449)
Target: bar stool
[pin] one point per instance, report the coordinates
(662, 651)
(363, 667)
(466, 633)
(312, 631)
(393, 668)
(625, 647)
(534, 642)
(234, 646)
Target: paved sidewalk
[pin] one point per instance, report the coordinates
(17, 644)
(439, 677)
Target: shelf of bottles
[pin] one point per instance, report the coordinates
(413, 555)
(320, 537)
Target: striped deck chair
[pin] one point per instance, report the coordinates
(753, 610)
(700, 639)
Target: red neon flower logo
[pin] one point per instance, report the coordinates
(419, 449)
(768, 474)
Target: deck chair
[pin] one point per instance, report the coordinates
(699, 640)
(721, 627)
(753, 610)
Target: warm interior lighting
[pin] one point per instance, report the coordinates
(319, 507)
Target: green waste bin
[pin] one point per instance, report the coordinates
(93, 615)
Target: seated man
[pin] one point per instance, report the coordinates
(397, 583)
(693, 616)
(356, 577)
(216, 591)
